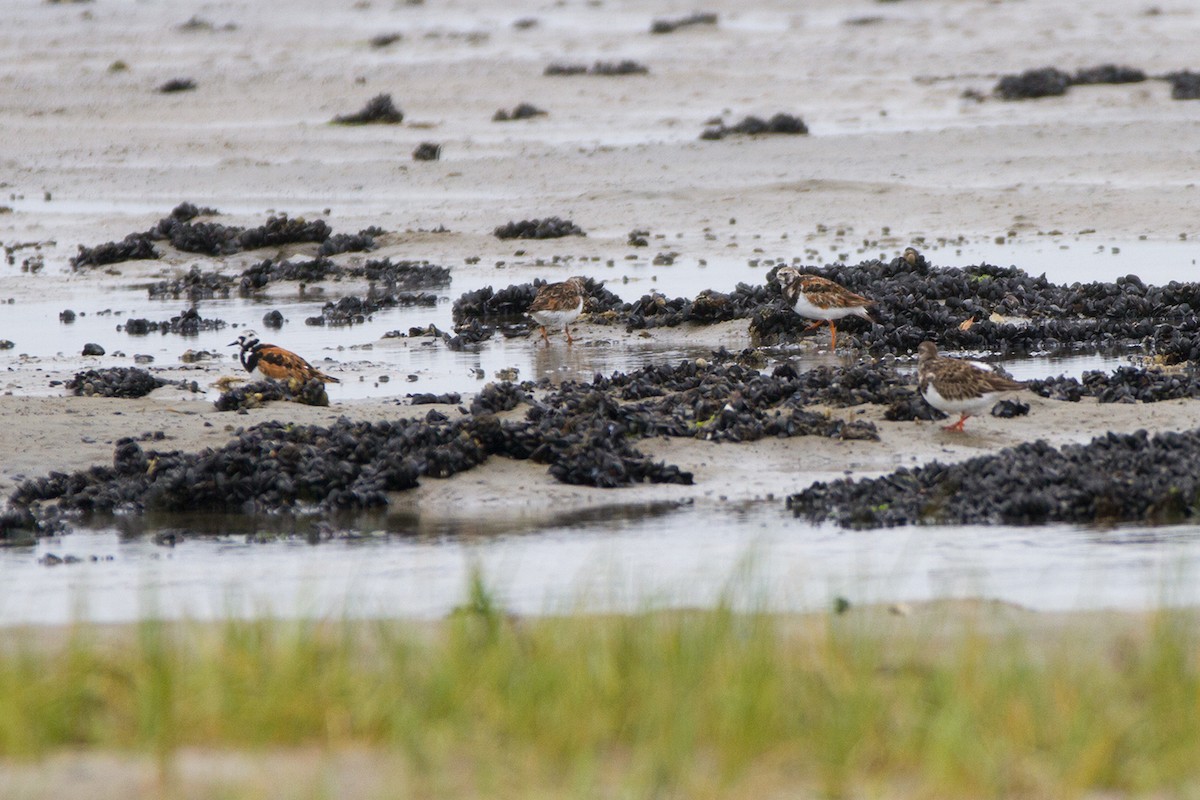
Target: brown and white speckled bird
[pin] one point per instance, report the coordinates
(959, 387)
(814, 297)
(558, 304)
(274, 362)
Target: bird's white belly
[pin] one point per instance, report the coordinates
(970, 406)
(557, 319)
(806, 309)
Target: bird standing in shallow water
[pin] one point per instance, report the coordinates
(558, 304)
(274, 362)
(814, 297)
(958, 387)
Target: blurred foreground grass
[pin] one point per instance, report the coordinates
(689, 704)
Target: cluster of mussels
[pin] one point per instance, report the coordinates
(254, 395)
(982, 308)
(181, 230)
(756, 126)
(396, 275)
(585, 432)
(379, 110)
(606, 68)
(354, 310)
(1005, 310)
(114, 382)
(491, 307)
(548, 228)
(1052, 82)
(193, 285)
(186, 323)
(1030, 484)
(1123, 385)
(465, 337)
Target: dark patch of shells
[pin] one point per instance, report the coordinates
(548, 228)
(655, 311)
(1185, 85)
(520, 111)
(133, 247)
(1115, 478)
(608, 68)
(487, 304)
(350, 242)
(756, 126)
(254, 395)
(1033, 83)
(429, 399)
(918, 302)
(727, 401)
(502, 396)
(1007, 409)
(194, 285)
(186, 211)
(275, 232)
(427, 151)
(1107, 73)
(1124, 385)
(177, 85)
(354, 310)
(396, 275)
(1053, 82)
(914, 302)
(379, 110)
(510, 303)
(257, 276)
(114, 382)
(183, 232)
(404, 275)
(466, 336)
(189, 323)
(661, 26)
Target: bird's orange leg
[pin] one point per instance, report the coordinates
(545, 338)
(816, 324)
(833, 329)
(567, 331)
(958, 426)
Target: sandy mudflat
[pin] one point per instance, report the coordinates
(896, 153)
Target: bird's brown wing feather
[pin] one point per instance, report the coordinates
(280, 364)
(828, 294)
(555, 297)
(958, 380)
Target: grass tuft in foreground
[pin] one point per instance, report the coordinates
(675, 704)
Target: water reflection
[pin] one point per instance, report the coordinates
(402, 565)
(396, 366)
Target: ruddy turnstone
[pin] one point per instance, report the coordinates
(272, 361)
(958, 387)
(558, 304)
(818, 298)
